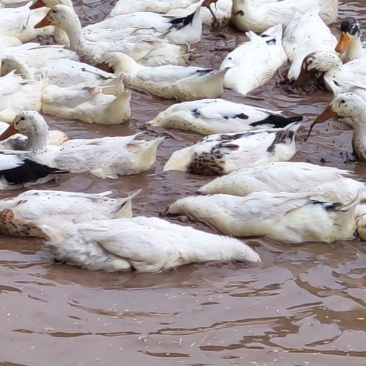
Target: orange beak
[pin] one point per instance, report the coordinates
(327, 114)
(343, 43)
(44, 22)
(10, 131)
(37, 4)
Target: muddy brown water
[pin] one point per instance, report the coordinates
(304, 305)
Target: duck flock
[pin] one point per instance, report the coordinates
(147, 46)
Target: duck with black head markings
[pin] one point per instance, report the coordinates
(349, 44)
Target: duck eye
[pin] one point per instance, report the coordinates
(343, 101)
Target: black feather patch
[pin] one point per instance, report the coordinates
(328, 206)
(180, 23)
(29, 171)
(277, 121)
(350, 25)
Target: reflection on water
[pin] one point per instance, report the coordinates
(305, 305)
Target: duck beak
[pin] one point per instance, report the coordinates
(37, 4)
(303, 77)
(327, 114)
(343, 43)
(44, 22)
(10, 131)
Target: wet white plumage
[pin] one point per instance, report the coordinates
(145, 244)
(168, 81)
(36, 207)
(286, 217)
(104, 157)
(222, 153)
(294, 177)
(211, 116)
(263, 55)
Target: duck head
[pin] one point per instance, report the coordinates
(350, 29)
(56, 16)
(345, 105)
(315, 64)
(27, 123)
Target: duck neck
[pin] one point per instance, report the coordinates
(359, 133)
(37, 141)
(19, 66)
(242, 5)
(72, 26)
(355, 49)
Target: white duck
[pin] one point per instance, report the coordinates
(143, 244)
(209, 116)
(17, 171)
(160, 6)
(19, 142)
(10, 2)
(137, 47)
(168, 81)
(349, 44)
(293, 177)
(105, 157)
(263, 55)
(352, 107)
(286, 217)
(223, 153)
(211, 16)
(17, 94)
(247, 17)
(178, 29)
(21, 216)
(329, 65)
(87, 104)
(37, 55)
(60, 72)
(9, 41)
(175, 29)
(304, 34)
(19, 22)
